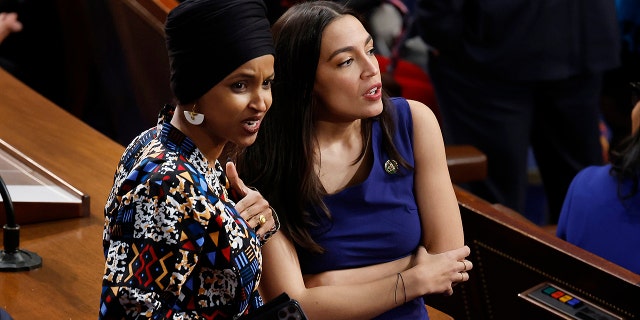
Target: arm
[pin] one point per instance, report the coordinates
(359, 275)
(431, 274)
(439, 212)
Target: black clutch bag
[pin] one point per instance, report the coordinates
(280, 308)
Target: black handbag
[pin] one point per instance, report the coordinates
(280, 308)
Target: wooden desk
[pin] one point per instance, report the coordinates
(68, 284)
(511, 255)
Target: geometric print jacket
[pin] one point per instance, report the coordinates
(174, 245)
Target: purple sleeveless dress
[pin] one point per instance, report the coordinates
(373, 222)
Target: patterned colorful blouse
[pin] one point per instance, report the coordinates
(175, 247)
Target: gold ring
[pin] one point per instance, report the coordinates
(262, 219)
(461, 277)
(465, 265)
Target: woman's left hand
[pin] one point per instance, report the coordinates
(253, 208)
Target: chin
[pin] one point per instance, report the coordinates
(245, 141)
(374, 110)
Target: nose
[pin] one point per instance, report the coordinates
(261, 100)
(370, 67)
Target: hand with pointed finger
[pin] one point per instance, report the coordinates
(253, 208)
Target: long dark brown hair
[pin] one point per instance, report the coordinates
(281, 161)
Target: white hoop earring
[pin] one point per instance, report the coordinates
(193, 117)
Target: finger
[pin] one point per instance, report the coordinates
(261, 229)
(234, 180)
(11, 21)
(258, 221)
(252, 204)
(468, 265)
(257, 216)
(449, 292)
(265, 219)
(460, 277)
(460, 253)
(248, 217)
(264, 228)
(16, 26)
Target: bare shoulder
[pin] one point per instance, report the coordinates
(422, 114)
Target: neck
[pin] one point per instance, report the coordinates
(197, 134)
(338, 142)
(334, 132)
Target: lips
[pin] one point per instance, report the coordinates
(374, 92)
(251, 125)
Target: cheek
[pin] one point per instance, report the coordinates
(268, 100)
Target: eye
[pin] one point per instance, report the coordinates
(371, 51)
(348, 62)
(239, 86)
(267, 84)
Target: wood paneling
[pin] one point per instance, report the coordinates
(68, 284)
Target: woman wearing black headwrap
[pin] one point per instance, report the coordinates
(176, 246)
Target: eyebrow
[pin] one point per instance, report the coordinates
(349, 48)
(248, 75)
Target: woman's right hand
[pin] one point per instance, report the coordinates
(439, 273)
(9, 23)
(252, 206)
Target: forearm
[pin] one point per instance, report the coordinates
(358, 275)
(357, 298)
(358, 301)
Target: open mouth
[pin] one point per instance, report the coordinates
(374, 92)
(251, 126)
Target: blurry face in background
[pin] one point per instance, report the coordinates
(348, 82)
(234, 108)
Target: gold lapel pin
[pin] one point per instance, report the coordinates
(391, 166)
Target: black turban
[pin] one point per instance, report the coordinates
(209, 39)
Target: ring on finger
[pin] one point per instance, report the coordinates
(262, 220)
(461, 276)
(465, 265)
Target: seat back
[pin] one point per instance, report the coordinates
(140, 27)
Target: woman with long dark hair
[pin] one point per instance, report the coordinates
(601, 212)
(369, 219)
